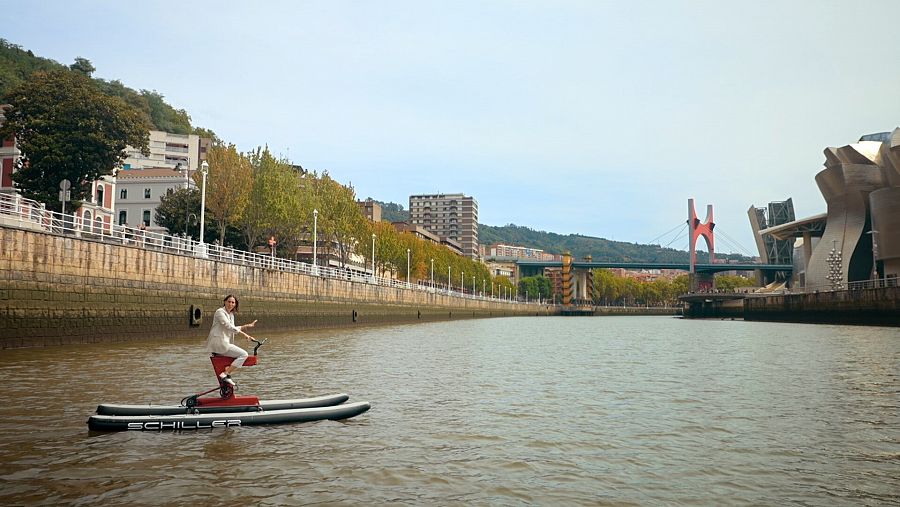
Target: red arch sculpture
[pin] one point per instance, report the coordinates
(698, 229)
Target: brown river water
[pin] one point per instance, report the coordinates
(512, 411)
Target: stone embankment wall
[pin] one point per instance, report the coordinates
(58, 290)
(873, 307)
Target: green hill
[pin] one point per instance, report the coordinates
(18, 64)
(579, 246)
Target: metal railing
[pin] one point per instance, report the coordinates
(19, 212)
(849, 286)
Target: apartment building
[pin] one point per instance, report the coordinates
(453, 217)
(370, 209)
(169, 150)
(500, 250)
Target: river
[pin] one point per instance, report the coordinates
(507, 411)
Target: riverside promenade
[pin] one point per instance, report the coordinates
(61, 283)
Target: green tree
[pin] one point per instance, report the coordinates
(535, 287)
(178, 212)
(341, 221)
(274, 207)
(228, 186)
(83, 66)
(164, 116)
(67, 129)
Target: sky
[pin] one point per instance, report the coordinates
(597, 118)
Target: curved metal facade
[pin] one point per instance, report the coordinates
(861, 186)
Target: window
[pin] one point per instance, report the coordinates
(123, 217)
(100, 195)
(146, 193)
(123, 194)
(146, 219)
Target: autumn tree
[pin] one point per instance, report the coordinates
(228, 186)
(67, 129)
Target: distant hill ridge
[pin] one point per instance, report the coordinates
(600, 249)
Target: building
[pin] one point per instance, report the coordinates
(8, 155)
(138, 193)
(370, 209)
(451, 217)
(858, 238)
(502, 251)
(169, 150)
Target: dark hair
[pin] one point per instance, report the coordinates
(237, 303)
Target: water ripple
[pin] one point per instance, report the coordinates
(520, 411)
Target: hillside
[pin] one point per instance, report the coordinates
(580, 246)
(17, 64)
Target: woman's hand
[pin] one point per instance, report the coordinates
(250, 324)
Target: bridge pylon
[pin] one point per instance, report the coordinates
(696, 230)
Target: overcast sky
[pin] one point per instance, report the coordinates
(597, 118)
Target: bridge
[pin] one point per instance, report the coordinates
(577, 278)
(533, 268)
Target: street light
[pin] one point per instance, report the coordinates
(187, 185)
(432, 274)
(448, 279)
(373, 257)
(407, 267)
(204, 169)
(473, 285)
(315, 239)
(462, 284)
(483, 285)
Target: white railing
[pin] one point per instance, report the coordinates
(16, 211)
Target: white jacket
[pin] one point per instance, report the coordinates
(222, 333)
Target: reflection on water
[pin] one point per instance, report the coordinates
(574, 411)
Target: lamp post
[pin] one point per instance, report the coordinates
(187, 185)
(432, 274)
(492, 289)
(315, 239)
(483, 285)
(473, 286)
(204, 169)
(407, 267)
(462, 284)
(373, 257)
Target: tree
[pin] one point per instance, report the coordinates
(164, 116)
(228, 186)
(536, 287)
(274, 207)
(340, 220)
(83, 66)
(67, 129)
(178, 212)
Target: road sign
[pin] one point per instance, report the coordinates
(65, 195)
(65, 185)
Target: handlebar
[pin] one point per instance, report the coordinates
(258, 344)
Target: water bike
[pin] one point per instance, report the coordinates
(199, 411)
